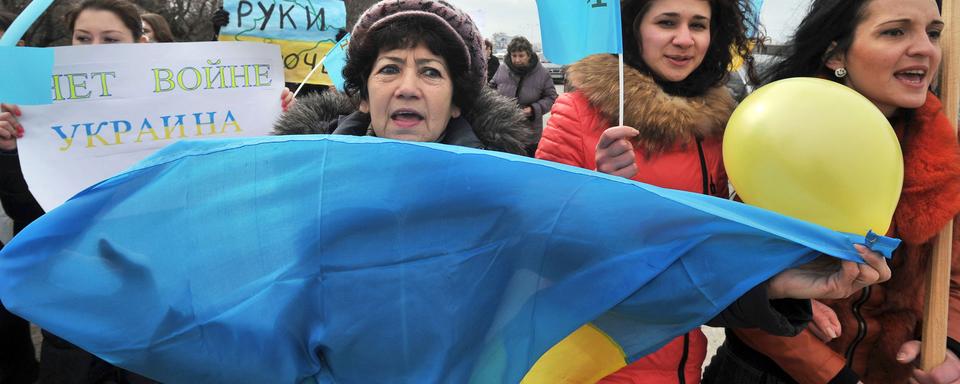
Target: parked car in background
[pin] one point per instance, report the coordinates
(736, 82)
(557, 71)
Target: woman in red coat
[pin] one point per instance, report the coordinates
(888, 51)
(677, 54)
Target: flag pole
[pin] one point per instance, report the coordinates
(309, 75)
(621, 89)
(937, 298)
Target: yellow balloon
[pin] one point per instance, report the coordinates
(585, 356)
(817, 151)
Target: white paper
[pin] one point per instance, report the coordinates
(127, 101)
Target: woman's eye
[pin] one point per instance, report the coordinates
(893, 32)
(698, 27)
(934, 34)
(666, 23)
(389, 70)
(432, 72)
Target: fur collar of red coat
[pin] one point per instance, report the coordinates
(930, 199)
(662, 119)
(931, 184)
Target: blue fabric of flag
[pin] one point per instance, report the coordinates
(335, 60)
(26, 80)
(573, 29)
(360, 260)
(756, 6)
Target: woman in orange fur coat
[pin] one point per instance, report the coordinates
(889, 51)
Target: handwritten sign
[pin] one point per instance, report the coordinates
(111, 108)
(304, 29)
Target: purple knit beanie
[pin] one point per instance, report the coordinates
(452, 22)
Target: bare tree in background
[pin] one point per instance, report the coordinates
(189, 19)
(355, 8)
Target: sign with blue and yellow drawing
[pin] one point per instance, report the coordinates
(304, 29)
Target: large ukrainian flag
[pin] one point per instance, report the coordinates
(360, 260)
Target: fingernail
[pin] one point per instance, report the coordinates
(901, 356)
(860, 247)
(831, 333)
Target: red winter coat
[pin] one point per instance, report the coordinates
(878, 320)
(667, 154)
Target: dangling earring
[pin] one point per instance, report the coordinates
(840, 72)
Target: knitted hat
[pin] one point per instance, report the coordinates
(449, 21)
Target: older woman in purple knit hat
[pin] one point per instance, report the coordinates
(415, 71)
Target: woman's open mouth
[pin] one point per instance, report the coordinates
(406, 118)
(679, 60)
(912, 77)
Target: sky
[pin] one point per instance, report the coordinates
(519, 17)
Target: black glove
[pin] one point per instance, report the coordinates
(220, 18)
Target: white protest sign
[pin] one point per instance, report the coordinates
(114, 105)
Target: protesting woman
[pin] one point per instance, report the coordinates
(17, 362)
(889, 51)
(677, 54)
(525, 80)
(418, 76)
(92, 22)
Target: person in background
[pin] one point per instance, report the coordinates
(889, 51)
(526, 80)
(493, 63)
(18, 364)
(219, 19)
(156, 29)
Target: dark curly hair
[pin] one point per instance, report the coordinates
(129, 14)
(518, 44)
(409, 33)
(729, 22)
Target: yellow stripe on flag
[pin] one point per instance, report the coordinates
(585, 356)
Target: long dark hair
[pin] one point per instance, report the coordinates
(128, 13)
(161, 30)
(827, 30)
(729, 23)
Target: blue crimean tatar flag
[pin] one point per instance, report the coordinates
(335, 60)
(573, 29)
(756, 6)
(302, 259)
